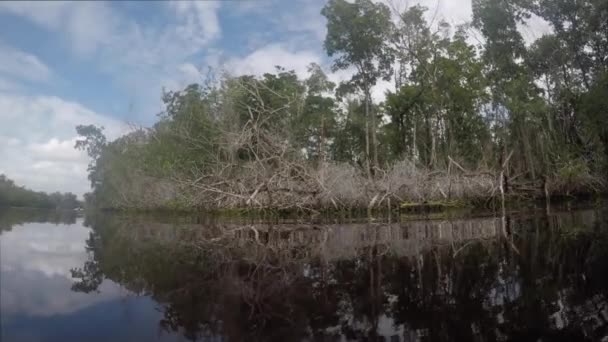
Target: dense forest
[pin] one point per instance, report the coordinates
(12, 195)
(477, 114)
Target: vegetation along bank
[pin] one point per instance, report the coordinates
(467, 122)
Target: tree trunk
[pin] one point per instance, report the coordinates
(433, 161)
(367, 160)
(367, 132)
(414, 143)
(373, 121)
(321, 151)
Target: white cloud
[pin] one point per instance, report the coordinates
(90, 25)
(199, 23)
(46, 248)
(35, 271)
(304, 17)
(7, 85)
(140, 56)
(58, 150)
(241, 8)
(41, 118)
(34, 294)
(455, 12)
(534, 28)
(18, 64)
(87, 25)
(266, 58)
(189, 74)
(37, 135)
(49, 14)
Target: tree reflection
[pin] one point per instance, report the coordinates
(419, 280)
(10, 217)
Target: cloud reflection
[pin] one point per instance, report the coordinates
(35, 263)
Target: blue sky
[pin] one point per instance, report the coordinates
(69, 63)
(66, 63)
(112, 57)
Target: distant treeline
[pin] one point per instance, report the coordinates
(12, 195)
(10, 217)
(465, 120)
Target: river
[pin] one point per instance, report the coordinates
(528, 275)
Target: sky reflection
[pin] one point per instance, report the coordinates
(36, 300)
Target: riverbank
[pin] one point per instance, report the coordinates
(340, 187)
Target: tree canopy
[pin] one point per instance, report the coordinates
(13, 195)
(533, 112)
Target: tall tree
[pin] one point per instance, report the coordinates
(436, 110)
(515, 101)
(358, 36)
(317, 121)
(572, 63)
(93, 141)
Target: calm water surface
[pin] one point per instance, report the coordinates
(528, 276)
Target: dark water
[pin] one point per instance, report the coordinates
(531, 276)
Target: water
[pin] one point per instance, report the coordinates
(529, 276)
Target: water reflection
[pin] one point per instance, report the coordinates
(10, 217)
(525, 277)
(36, 300)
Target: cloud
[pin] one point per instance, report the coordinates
(40, 118)
(90, 25)
(199, 22)
(45, 248)
(35, 271)
(458, 12)
(87, 25)
(23, 66)
(37, 135)
(151, 58)
(534, 28)
(57, 150)
(138, 56)
(266, 58)
(49, 14)
(187, 74)
(454, 12)
(7, 85)
(303, 17)
(297, 22)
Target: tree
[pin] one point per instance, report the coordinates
(571, 62)
(515, 102)
(413, 43)
(358, 35)
(351, 134)
(93, 141)
(435, 112)
(12, 195)
(317, 121)
(532, 113)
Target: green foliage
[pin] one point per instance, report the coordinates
(10, 217)
(93, 141)
(572, 169)
(349, 143)
(357, 33)
(317, 122)
(446, 90)
(12, 195)
(543, 104)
